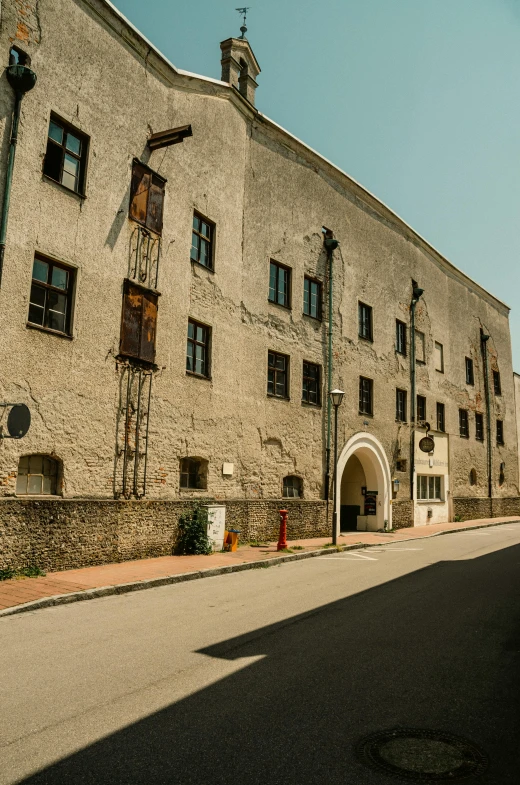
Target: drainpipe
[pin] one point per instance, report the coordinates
(330, 246)
(416, 294)
(484, 338)
(21, 79)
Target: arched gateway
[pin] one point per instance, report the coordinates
(364, 485)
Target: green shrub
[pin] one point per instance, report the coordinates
(25, 572)
(31, 572)
(193, 532)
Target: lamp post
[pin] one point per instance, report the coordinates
(416, 294)
(336, 396)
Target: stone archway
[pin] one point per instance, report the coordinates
(363, 464)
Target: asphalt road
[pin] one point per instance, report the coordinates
(270, 676)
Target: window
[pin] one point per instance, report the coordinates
(18, 57)
(365, 321)
(311, 386)
(197, 355)
(429, 487)
(401, 465)
(365, 395)
(277, 374)
(279, 284)
(440, 418)
(473, 477)
(479, 427)
(500, 432)
(37, 475)
(50, 302)
(194, 473)
(421, 408)
(312, 298)
(469, 371)
(66, 155)
(146, 197)
(400, 337)
(420, 355)
(292, 487)
(438, 354)
(496, 383)
(202, 241)
(400, 405)
(463, 423)
(138, 322)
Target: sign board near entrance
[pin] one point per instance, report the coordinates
(370, 504)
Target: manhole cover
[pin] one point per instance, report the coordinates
(421, 755)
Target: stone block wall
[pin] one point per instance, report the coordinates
(468, 509)
(63, 534)
(402, 514)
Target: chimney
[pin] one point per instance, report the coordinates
(239, 67)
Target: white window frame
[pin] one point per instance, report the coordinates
(427, 486)
(439, 356)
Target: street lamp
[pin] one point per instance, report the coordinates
(336, 396)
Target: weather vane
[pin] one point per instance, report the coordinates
(243, 11)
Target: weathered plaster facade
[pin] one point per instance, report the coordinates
(268, 196)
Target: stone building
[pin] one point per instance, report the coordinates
(170, 262)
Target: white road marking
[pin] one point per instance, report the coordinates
(478, 534)
(333, 558)
(389, 549)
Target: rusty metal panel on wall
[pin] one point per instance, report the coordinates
(140, 188)
(155, 205)
(138, 322)
(148, 327)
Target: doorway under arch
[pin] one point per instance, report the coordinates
(363, 468)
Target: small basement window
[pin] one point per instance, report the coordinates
(37, 476)
(66, 155)
(194, 473)
(292, 487)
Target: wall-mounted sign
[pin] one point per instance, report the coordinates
(427, 444)
(370, 504)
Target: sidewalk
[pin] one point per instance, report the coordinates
(18, 595)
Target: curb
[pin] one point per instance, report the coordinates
(152, 583)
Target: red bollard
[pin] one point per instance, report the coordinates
(282, 537)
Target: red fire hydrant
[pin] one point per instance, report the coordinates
(282, 537)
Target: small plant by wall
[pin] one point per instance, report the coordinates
(193, 532)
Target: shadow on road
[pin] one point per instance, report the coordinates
(437, 648)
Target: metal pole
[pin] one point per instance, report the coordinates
(335, 487)
(9, 177)
(483, 342)
(137, 429)
(329, 385)
(127, 427)
(146, 437)
(412, 402)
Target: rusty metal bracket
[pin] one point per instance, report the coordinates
(167, 138)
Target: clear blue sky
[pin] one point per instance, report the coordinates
(418, 100)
